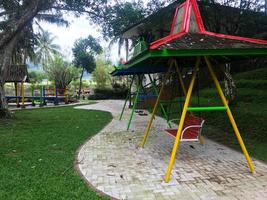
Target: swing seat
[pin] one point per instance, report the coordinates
(191, 129)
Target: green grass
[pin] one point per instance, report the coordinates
(250, 113)
(37, 153)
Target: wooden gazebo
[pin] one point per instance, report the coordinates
(17, 74)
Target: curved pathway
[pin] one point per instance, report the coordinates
(112, 163)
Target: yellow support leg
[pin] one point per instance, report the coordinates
(180, 78)
(152, 116)
(181, 123)
(155, 109)
(229, 113)
(17, 93)
(23, 94)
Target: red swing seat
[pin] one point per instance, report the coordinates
(191, 129)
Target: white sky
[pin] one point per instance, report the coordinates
(78, 28)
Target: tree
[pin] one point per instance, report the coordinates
(36, 77)
(120, 17)
(45, 49)
(242, 19)
(61, 72)
(16, 16)
(101, 74)
(84, 52)
(123, 15)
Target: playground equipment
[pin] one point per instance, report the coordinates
(189, 42)
(18, 74)
(140, 98)
(145, 96)
(43, 95)
(191, 129)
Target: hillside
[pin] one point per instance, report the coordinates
(250, 112)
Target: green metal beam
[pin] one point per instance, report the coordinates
(127, 97)
(152, 53)
(210, 108)
(208, 52)
(134, 105)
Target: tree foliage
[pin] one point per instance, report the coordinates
(239, 17)
(121, 16)
(101, 74)
(18, 16)
(61, 72)
(45, 49)
(84, 52)
(36, 77)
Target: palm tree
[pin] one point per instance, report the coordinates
(45, 49)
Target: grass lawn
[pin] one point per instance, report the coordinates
(37, 153)
(250, 113)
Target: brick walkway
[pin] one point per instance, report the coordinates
(113, 164)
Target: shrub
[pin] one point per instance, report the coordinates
(4, 113)
(119, 93)
(253, 84)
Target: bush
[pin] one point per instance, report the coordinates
(4, 113)
(253, 75)
(253, 84)
(106, 93)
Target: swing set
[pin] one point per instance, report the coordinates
(142, 95)
(189, 42)
(148, 93)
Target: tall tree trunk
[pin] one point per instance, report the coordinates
(8, 40)
(80, 85)
(6, 62)
(3, 103)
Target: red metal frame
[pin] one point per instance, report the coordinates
(174, 17)
(197, 15)
(187, 22)
(185, 5)
(172, 35)
(189, 6)
(164, 40)
(185, 17)
(232, 37)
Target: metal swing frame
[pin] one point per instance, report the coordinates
(172, 64)
(186, 108)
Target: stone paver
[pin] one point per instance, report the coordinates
(113, 164)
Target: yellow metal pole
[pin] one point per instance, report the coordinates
(55, 90)
(181, 123)
(155, 108)
(17, 93)
(180, 78)
(230, 115)
(23, 94)
(151, 118)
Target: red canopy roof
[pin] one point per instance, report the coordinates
(188, 21)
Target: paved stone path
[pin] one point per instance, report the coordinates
(113, 164)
